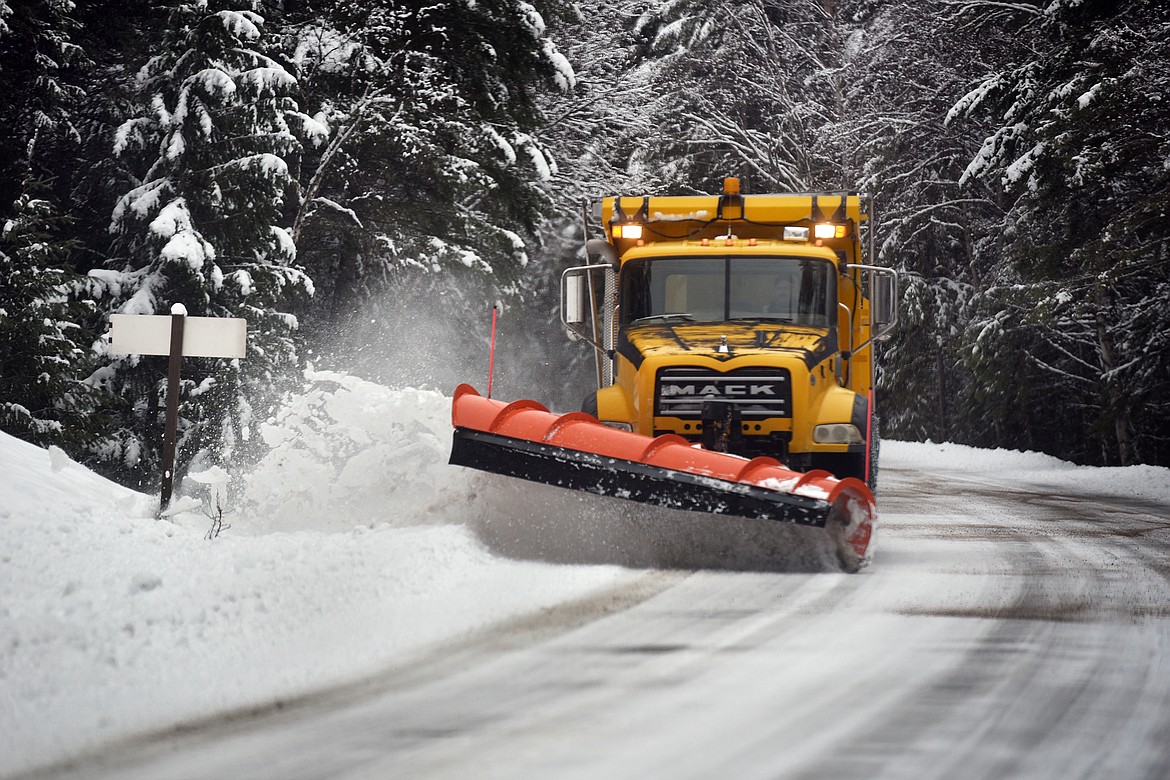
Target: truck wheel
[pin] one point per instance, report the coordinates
(840, 464)
(589, 405)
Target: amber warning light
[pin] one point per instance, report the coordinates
(828, 230)
(627, 231)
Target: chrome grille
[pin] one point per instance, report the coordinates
(758, 393)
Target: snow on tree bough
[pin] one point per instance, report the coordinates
(523, 439)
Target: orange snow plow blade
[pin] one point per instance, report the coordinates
(523, 439)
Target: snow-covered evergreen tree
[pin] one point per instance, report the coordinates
(206, 224)
(944, 235)
(44, 348)
(42, 355)
(431, 163)
(36, 56)
(751, 88)
(1086, 223)
(597, 128)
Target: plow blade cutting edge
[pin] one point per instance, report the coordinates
(523, 439)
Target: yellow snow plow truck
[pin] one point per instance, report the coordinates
(734, 341)
(745, 323)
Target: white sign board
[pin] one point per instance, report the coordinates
(150, 334)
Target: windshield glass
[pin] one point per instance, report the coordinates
(797, 290)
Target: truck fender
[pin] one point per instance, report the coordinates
(839, 405)
(614, 404)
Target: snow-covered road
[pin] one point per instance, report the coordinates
(1011, 626)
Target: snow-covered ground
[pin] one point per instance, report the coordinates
(353, 548)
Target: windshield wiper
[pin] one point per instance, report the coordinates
(655, 317)
(784, 320)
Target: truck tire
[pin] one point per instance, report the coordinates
(589, 405)
(840, 464)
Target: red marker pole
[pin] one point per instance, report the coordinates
(492, 352)
(869, 437)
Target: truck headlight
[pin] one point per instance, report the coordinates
(621, 426)
(837, 433)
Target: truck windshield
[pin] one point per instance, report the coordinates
(796, 290)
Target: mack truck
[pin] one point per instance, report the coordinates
(745, 323)
(733, 337)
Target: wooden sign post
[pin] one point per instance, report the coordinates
(176, 336)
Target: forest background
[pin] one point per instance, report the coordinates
(364, 181)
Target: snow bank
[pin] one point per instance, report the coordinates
(1032, 469)
(345, 559)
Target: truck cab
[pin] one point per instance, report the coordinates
(742, 323)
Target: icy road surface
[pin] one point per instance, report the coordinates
(1003, 631)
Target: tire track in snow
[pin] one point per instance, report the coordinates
(1068, 681)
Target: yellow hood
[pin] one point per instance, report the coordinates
(740, 339)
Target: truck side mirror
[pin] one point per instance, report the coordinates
(579, 290)
(574, 297)
(884, 303)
